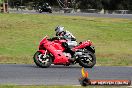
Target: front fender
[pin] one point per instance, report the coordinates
(42, 51)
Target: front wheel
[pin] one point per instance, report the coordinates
(88, 60)
(40, 10)
(42, 60)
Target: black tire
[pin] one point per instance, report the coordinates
(42, 62)
(84, 81)
(39, 10)
(91, 60)
(50, 11)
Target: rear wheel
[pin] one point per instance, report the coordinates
(42, 60)
(50, 11)
(40, 10)
(88, 60)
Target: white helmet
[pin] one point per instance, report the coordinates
(59, 29)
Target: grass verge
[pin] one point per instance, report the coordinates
(20, 35)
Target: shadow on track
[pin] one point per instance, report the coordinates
(59, 66)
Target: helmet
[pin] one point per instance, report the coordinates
(46, 4)
(59, 29)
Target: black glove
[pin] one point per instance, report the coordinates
(54, 38)
(73, 39)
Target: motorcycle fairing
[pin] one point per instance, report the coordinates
(59, 57)
(44, 40)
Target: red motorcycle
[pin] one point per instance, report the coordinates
(54, 51)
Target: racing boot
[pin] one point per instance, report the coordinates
(72, 54)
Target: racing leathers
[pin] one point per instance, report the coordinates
(71, 41)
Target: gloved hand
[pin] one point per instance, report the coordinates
(56, 38)
(73, 39)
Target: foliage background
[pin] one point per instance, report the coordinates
(85, 4)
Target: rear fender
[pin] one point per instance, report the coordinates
(82, 45)
(91, 48)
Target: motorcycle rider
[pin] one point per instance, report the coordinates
(71, 40)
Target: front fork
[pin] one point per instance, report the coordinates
(44, 52)
(44, 56)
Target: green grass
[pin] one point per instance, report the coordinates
(10, 86)
(20, 35)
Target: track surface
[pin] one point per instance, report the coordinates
(57, 75)
(124, 16)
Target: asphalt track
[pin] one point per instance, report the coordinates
(123, 16)
(16, 74)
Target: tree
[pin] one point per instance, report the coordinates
(125, 4)
(129, 4)
(89, 4)
(86, 4)
(1, 1)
